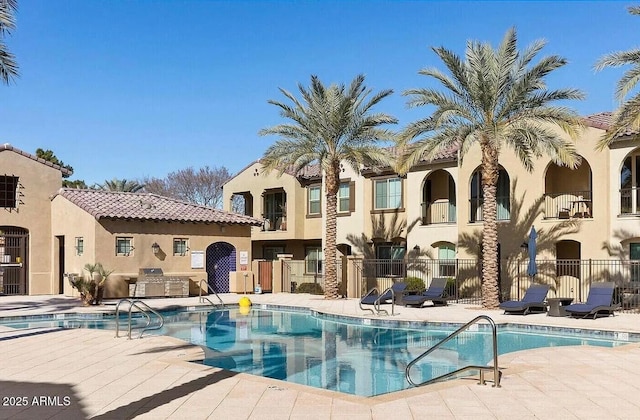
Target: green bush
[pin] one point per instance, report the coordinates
(313, 288)
(414, 284)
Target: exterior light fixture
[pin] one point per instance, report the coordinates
(155, 248)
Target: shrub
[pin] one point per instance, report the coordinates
(312, 288)
(414, 284)
(91, 289)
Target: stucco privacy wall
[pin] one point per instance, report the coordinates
(38, 181)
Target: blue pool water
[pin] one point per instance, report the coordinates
(338, 354)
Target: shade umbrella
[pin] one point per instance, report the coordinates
(532, 269)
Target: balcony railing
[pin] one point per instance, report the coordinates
(438, 212)
(568, 205)
(503, 211)
(627, 203)
(274, 221)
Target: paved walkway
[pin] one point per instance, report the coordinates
(68, 374)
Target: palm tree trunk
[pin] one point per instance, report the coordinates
(330, 269)
(490, 266)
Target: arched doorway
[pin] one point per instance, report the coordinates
(221, 259)
(14, 261)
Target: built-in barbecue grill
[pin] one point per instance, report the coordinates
(152, 282)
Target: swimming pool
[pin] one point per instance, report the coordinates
(357, 356)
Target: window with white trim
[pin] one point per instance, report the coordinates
(313, 259)
(387, 193)
(313, 207)
(344, 199)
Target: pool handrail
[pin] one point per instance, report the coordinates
(201, 298)
(134, 303)
(376, 303)
(496, 371)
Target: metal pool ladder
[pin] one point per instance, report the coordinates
(201, 298)
(376, 304)
(144, 310)
(482, 369)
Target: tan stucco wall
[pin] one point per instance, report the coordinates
(624, 228)
(38, 182)
(252, 180)
(421, 235)
(529, 187)
(100, 239)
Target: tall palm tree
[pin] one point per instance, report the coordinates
(628, 115)
(8, 65)
(495, 98)
(329, 125)
(121, 185)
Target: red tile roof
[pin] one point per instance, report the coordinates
(603, 121)
(145, 206)
(9, 147)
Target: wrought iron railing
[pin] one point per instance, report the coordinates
(568, 205)
(503, 209)
(439, 212)
(630, 201)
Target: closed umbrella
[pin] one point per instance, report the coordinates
(532, 269)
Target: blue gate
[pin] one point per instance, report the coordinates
(221, 259)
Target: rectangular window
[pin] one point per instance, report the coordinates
(124, 245)
(8, 191)
(79, 245)
(388, 193)
(390, 260)
(180, 246)
(314, 200)
(344, 197)
(313, 258)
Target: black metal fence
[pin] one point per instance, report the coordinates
(567, 278)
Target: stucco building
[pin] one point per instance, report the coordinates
(48, 231)
(590, 212)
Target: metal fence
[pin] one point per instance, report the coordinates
(567, 278)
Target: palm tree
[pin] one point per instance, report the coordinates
(8, 65)
(121, 185)
(495, 98)
(329, 125)
(628, 115)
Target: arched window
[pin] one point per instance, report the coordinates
(630, 184)
(503, 196)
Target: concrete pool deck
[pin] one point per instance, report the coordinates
(68, 374)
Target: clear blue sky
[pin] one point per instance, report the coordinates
(141, 88)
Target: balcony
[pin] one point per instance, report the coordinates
(438, 212)
(503, 211)
(274, 222)
(630, 201)
(568, 205)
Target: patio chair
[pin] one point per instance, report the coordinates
(435, 293)
(533, 300)
(374, 298)
(599, 302)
